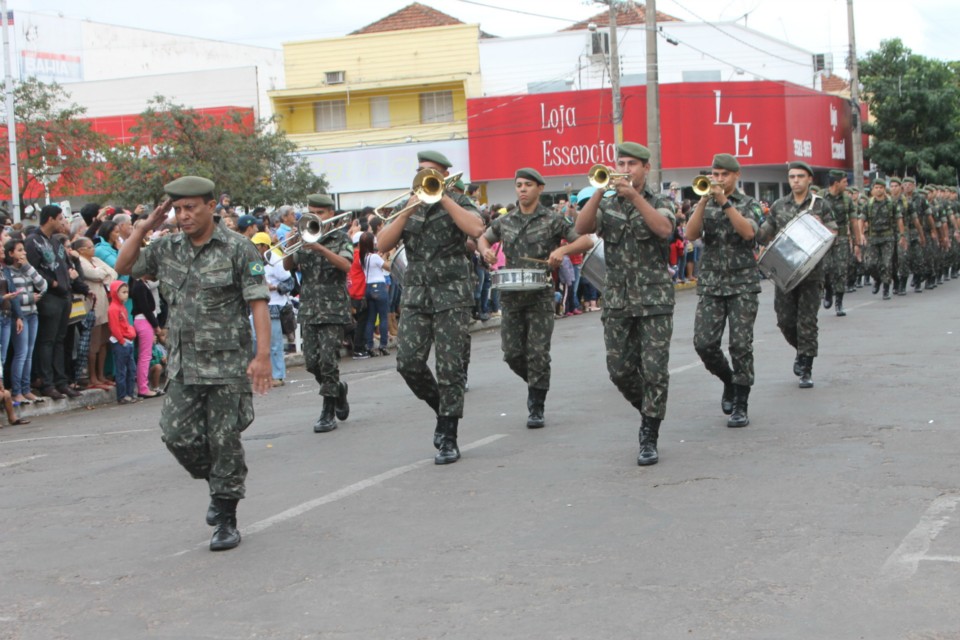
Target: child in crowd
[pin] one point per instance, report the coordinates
(7, 400)
(122, 335)
(158, 361)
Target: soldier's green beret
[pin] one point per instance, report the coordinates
(725, 161)
(910, 180)
(530, 174)
(815, 189)
(836, 175)
(459, 185)
(189, 187)
(633, 150)
(923, 190)
(320, 200)
(881, 182)
(895, 179)
(799, 164)
(435, 157)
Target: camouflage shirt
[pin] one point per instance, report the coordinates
(728, 266)
(323, 288)
(534, 235)
(881, 217)
(844, 211)
(439, 274)
(638, 282)
(207, 289)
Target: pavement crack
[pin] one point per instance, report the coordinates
(680, 482)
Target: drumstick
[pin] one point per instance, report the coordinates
(536, 260)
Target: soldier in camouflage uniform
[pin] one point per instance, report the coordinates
(729, 283)
(836, 261)
(324, 310)
(208, 275)
(916, 233)
(797, 309)
(530, 231)
(937, 235)
(884, 223)
(437, 299)
(901, 260)
(636, 226)
(952, 270)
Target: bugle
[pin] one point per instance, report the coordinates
(601, 176)
(702, 185)
(428, 186)
(311, 228)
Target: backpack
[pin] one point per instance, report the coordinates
(356, 281)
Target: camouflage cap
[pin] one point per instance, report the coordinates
(320, 200)
(725, 161)
(633, 150)
(435, 157)
(530, 174)
(189, 187)
(800, 164)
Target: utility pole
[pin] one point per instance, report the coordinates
(615, 75)
(855, 101)
(11, 119)
(653, 98)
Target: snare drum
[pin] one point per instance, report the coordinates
(398, 266)
(520, 280)
(594, 266)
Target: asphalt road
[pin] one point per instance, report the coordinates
(833, 515)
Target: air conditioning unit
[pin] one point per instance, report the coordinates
(335, 77)
(823, 62)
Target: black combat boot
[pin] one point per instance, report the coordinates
(327, 420)
(448, 451)
(212, 512)
(225, 536)
(739, 417)
(840, 310)
(886, 291)
(876, 285)
(343, 407)
(727, 399)
(798, 365)
(902, 289)
(917, 284)
(649, 432)
(535, 400)
(931, 283)
(827, 296)
(806, 378)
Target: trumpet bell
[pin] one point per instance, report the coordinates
(701, 185)
(600, 176)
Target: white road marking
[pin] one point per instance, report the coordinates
(77, 435)
(345, 492)
(861, 305)
(12, 463)
(903, 562)
(941, 558)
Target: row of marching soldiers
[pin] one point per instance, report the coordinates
(895, 230)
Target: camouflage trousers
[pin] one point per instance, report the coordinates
(201, 427)
(879, 259)
(835, 265)
(415, 338)
(321, 355)
(797, 313)
(934, 257)
(638, 359)
(713, 315)
(912, 261)
(525, 334)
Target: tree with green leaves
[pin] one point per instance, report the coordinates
(56, 147)
(915, 103)
(250, 159)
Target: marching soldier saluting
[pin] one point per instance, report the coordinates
(324, 310)
(437, 299)
(797, 309)
(532, 231)
(636, 226)
(208, 275)
(729, 284)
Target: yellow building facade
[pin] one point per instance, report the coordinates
(379, 89)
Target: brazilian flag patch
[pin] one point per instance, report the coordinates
(256, 268)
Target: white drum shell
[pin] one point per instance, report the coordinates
(594, 266)
(520, 280)
(795, 251)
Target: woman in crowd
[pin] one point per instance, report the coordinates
(377, 294)
(145, 325)
(32, 286)
(98, 275)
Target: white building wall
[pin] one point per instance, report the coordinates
(728, 51)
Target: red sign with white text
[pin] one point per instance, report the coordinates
(761, 123)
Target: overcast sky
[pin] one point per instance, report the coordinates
(928, 27)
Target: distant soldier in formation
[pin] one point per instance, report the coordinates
(838, 259)
(883, 221)
(916, 233)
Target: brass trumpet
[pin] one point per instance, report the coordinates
(702, 185)
(600, 176)
(428, 186)
(310, 229)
